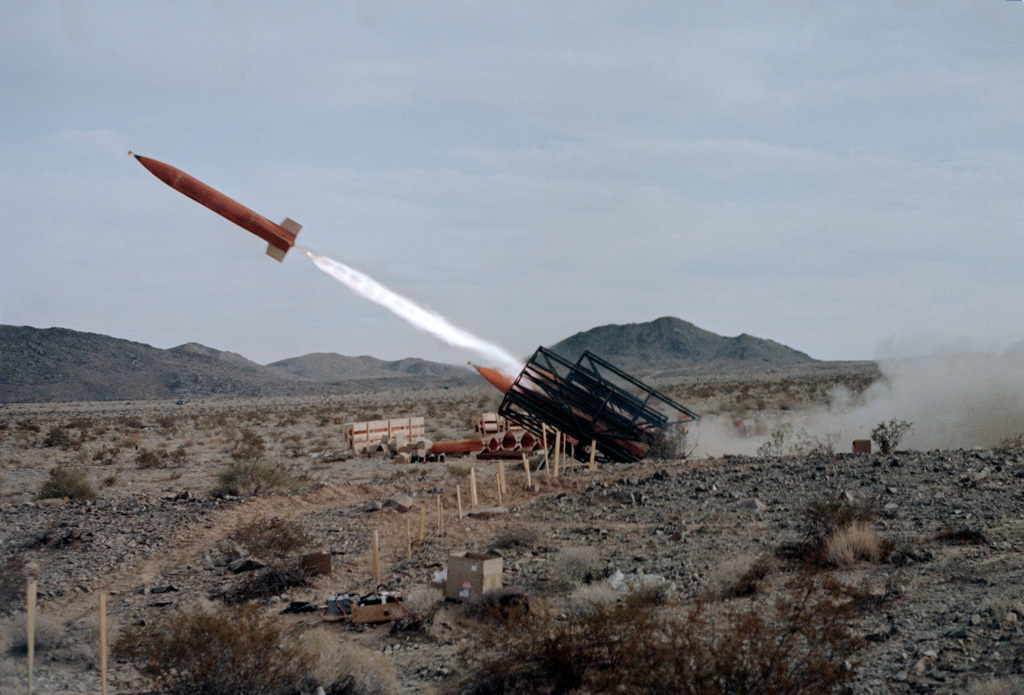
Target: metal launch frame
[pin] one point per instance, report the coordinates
(592, 400)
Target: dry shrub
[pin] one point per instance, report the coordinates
(829, 521)
(151, 458)
(12, 582)
(739, 577)
(516, 537)
(48, 637)
(963, 535)
(347, 669)
(67, 482)
(578, 565)
(857, 542)
(250, 478)
(265, 584)
(248, 446)
(421, 603)
(271, 539)
(794, 647)
(216, 651)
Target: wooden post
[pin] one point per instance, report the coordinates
(376, 558)
(103, 643)
(458, 498)
(423, 524)
(501, 477)
(544, 435)
(472, 488)
(30, 629)
(558, 450)
(526, 467)
(497, 484)
(440, 517)
(408, 538)
(593, 455)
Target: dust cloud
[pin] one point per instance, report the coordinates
(956, 397)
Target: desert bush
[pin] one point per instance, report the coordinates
(778, 443)
(265, 584)
(49, 634)
(251, 478)
(151, 458)
(216, 651)
(670, 446)
(963, 535)
(346, 669)
(741, 577)
(887, 435)
(271, 539)
(60, 437)
(67, 482)
(826, 515)
(248, 446)
(516, 537)
(794, 647)
(825, 521)
(12, 582)
(456, 470)
(854, 543)
(578, 565)
(1011, 443)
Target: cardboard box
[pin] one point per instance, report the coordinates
(471, 575)
(377, 612)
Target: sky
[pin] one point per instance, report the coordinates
(836, 176)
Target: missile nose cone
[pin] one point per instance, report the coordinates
(496, 378)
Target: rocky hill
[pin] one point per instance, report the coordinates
(670, 346)
(59, 364)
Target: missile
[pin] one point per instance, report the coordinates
(279, 237)
(498, 380)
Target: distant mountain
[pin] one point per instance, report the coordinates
(670, 346)
(59, 364)
(331, 367)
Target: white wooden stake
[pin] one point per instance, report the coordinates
(103, 643)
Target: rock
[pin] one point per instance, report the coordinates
(374, 506)
(401, 502)
(244, 564)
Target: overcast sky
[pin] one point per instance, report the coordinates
(831, 175)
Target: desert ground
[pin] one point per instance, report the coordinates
(906, 568)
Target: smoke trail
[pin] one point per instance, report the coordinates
(438, 326)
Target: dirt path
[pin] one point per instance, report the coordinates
(203, 534)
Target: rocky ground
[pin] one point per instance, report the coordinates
(947, 609)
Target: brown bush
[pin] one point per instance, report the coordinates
(794, 647)
(254, 478)
(67, 482)
(271, 539)
(857, 542)
(216, 651)
(12, 582)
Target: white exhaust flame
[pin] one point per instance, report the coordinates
(438, 326)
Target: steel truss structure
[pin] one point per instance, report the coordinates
(593, 400)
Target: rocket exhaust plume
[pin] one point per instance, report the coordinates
(438, 326)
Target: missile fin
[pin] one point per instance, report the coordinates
(291, 225)
(275, 253)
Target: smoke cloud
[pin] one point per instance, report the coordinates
(438, 326)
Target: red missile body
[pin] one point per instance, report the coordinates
(280, 237)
